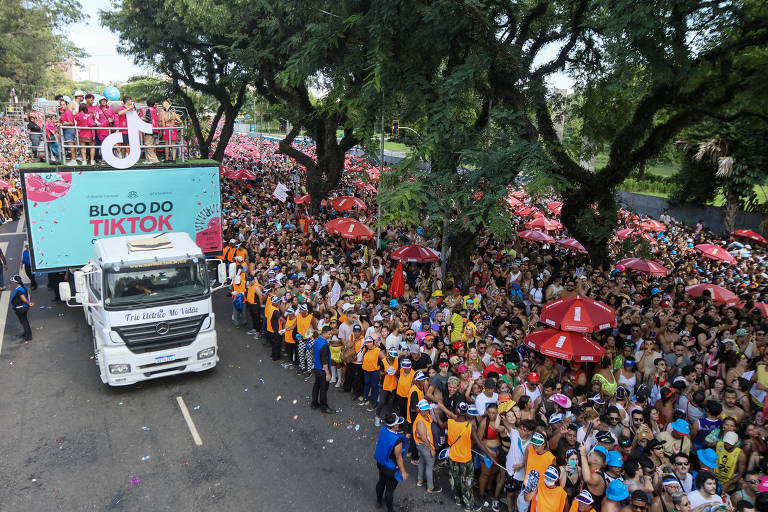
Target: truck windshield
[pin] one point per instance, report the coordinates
(142, 284)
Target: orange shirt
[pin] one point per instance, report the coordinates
(404, 383)
(390, 381)
(419, 394)
(303, 323)
(575, 507)
(538, 462)
(371, 360)
(290, 325)
(549, 500)
(429, 441)
(460, 440)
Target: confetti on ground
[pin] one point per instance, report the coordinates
(279, 397)
(294, 402)
(245, 390)
(145, 429)
(120, 403)
(296, 417)
(330, 441)
(197, 408)
(261, 381)
(357, 427)
(135, 480)
(145, 458)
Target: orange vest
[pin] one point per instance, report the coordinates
(538, 462)
(250, 297)
(268, 309)
(404, 383)
(550, 499)
(390, 381)
(229, 254)
(290, 325)
(238, 288)
(428, 426)
(303, 323)
(419, 393)
(460, 441)
(241, 252)
(371, 360)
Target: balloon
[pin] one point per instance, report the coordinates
(247, 116)
(112, 93)
(41, 100)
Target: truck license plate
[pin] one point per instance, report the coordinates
(165, 359)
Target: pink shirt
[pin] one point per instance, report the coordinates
(103, 116)
(67, 117)
(83, 119)
(121, 121)
(50, 130)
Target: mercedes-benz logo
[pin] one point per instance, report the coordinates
(162, 328)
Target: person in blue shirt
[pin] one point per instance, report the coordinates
(389, 453)
(27, 262)
(21, 301)
(321, 367)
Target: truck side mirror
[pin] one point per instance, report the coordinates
(79, 281)
(64, 292)
(221, 271)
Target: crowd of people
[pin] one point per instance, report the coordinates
(672, 417)
(75, 131)
(14, 150)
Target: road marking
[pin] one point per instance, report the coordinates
(4, 298)
(190, 423)
(3, 235)
(21, 224)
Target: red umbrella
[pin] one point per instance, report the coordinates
(543, 223)
(513, 202)
(537, 214)
(573, 244)
(762, 307)
(4, 185)
(570, 346)
(652, 225)
(715, 252)
(346, 203)
(624, 233)
(415, 253)
(748, 233)
(519, 194)
(242, 174)
(719, 294)
(397, 288)
(524, 211)
(645, 266)
(303, 199)
(349, 228)
(578, 314)
(555, 207)
(535, 235)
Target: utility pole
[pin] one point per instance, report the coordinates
(381, 173)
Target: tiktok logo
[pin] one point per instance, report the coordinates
(135, 127)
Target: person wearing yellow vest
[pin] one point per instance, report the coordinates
(391, 366)
(548, 496)
(731, 461)
(403, 385)
(252, 302)
(229, 252)
(238, 295)
(242, 252)
(372, 357)
(289, 330)
(425, 443)
(273, 326)
(583, 502)
(461, 437)
(306, 324)
(415, 395)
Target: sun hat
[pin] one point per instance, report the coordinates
(423, 405)
(617, 491)
(556, 418)
(405, 363)
(393, 303)
(601, 449)
(681, 427)
(614, 459)
(453, 380)
(462, 368)
(561, 400)
(537, 439)
(506, 406)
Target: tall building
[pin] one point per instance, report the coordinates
(67, 66)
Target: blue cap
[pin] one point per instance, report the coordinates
(423, 405)
(472, 411)
(393, 303)
(614, 459)
(552, 473)
(602, 450)
(707, 457)
(654, 291)
(419, 376)
(617, 491)
(681, 427)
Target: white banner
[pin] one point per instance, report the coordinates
(281, 192)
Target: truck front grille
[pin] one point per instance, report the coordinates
(154, 336)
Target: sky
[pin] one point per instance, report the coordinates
(105, 65)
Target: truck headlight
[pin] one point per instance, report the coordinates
(206, 323)
(119, 368)
(206, 353)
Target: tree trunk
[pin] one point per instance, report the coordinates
(462, 245)
(730, 210)
(593, 229)
(641, 172)
(225, 135)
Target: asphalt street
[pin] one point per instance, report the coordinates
(69, 443)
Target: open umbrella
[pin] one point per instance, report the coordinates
(346, 203)
(715, 252)
(719, 294)
(415, 253)
(349, 228)
(397, 288)
(570, 346)
(573, 244)
(525, 211)
(543, 223)
(652, 225)
(748, 233)
(578, 314)
(555, 207)
(535, 235)
(644, 266)
(624, 233)
(519, 194)
(4, 185)
(513, 202)
(242, 174)
(762, 307)
(303, 199)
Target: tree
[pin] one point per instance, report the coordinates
(31, 44)
(191, 44)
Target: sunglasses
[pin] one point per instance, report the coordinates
(753, 481)
(682, 463)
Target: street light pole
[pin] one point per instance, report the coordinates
(381, 173)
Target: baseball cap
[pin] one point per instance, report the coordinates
(585, 497)
(556, 418)
(603, 436)
(444, 363)
(419, 376)
(741, 331)
(731, 438)
(497, 353)
(423, 405)
(393, 419)
(537, 439)
(357, 327)
(533, 377)
(462, 368)
(644, 434)
(511, 366)
(392, 352)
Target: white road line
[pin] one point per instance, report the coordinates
(4, 298)
(20, 226)
(188, 419)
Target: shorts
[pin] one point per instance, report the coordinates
(125, 139)
(69, 135)
(511, 485)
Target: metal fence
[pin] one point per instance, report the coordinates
(165, 144)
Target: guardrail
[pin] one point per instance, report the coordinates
(75, 145)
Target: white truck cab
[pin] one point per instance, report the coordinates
(147, 300)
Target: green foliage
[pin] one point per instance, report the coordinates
(31, 42)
